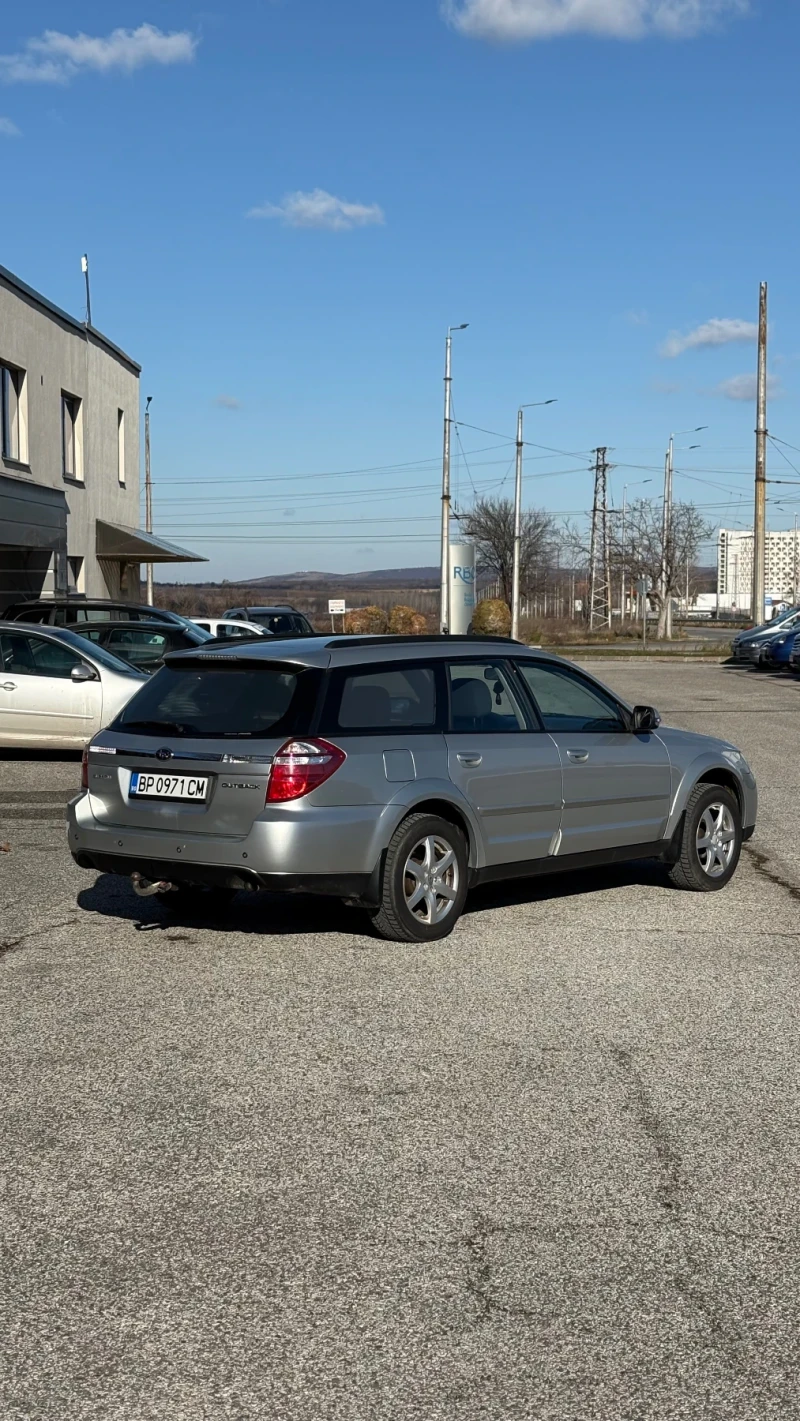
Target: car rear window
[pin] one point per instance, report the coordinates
(230, 702)
(388, 698)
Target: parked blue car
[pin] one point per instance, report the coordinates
(776, 653)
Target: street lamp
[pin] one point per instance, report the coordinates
(534, 404)
(444, 594)
(666, 523)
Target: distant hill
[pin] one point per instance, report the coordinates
(383, 577)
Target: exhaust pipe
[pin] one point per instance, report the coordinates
(146, 889)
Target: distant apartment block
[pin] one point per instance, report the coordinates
(69, 457)
(735, 566)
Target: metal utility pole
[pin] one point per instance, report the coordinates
(85, 270)
(794, 572)
(760, 511)
(599, 552)
(666, 574)
(666, 530)
(444, 595)
(518, 518)
(517, 528)
(148, 495)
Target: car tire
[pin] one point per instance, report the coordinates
(190, 898)
(710, 841)
(424, 880)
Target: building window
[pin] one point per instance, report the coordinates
(76, 580)
(72, 436)
(13, 399)
(121, 446)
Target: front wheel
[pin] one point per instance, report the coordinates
(424, 880)
(711, 840)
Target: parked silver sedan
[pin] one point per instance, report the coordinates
(56, 689)
(397, 772)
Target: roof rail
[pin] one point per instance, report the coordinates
(411, 640)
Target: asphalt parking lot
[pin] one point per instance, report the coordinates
(273, 1167)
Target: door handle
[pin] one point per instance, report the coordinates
(471, 761)
(9, 686)
(579, 756)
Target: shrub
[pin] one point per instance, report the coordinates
(366, 621)
(404, 621)
(491, 618)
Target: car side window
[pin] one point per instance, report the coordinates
(482, 700)
(140, 648)
(390, 698)
(566, 702)
(206, 627)
(35, 656)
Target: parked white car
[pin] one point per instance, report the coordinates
(57, 689)
(224, 627)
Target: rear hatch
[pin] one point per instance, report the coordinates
(192, 752)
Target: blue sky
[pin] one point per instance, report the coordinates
(596, 186)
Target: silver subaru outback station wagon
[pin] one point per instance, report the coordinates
(396, 773)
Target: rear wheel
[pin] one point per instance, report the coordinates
(711, 840)
(424, 880)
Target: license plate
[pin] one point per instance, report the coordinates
(187, 787)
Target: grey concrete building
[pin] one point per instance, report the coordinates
(69, 457)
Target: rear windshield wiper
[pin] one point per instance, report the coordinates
(174, 725)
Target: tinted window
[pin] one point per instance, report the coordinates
(234, 702)
(567, 702)
(206, 627)
(481, 699)
(33, 614)
(389, 698)
(25, 655)
(97, 654)
(140, 648)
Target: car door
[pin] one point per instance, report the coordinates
(502, 761)
(616, 784)
(39, 701)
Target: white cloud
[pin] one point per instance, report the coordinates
(744, 388)
(228, 402)
(9, 129)
(322, 210)
(718, 331)
(517, 21)
(56, 58)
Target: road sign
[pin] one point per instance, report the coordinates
(336, 607)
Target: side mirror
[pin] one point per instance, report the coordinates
(82, 672)
(645, 718)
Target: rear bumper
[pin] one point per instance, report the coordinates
(328, 850)
(353, 885)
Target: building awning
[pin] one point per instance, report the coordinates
(122, 544)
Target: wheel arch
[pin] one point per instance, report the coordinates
(446, 809)
(705, 771)
(717, 775)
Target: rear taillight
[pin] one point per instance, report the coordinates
(300, 766)
(85, 768)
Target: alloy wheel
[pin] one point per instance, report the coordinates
(715, 840)
(431, 880)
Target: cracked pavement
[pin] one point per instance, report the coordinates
(271, 1167)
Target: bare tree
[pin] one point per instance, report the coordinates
(645, 557)
(490, 524)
